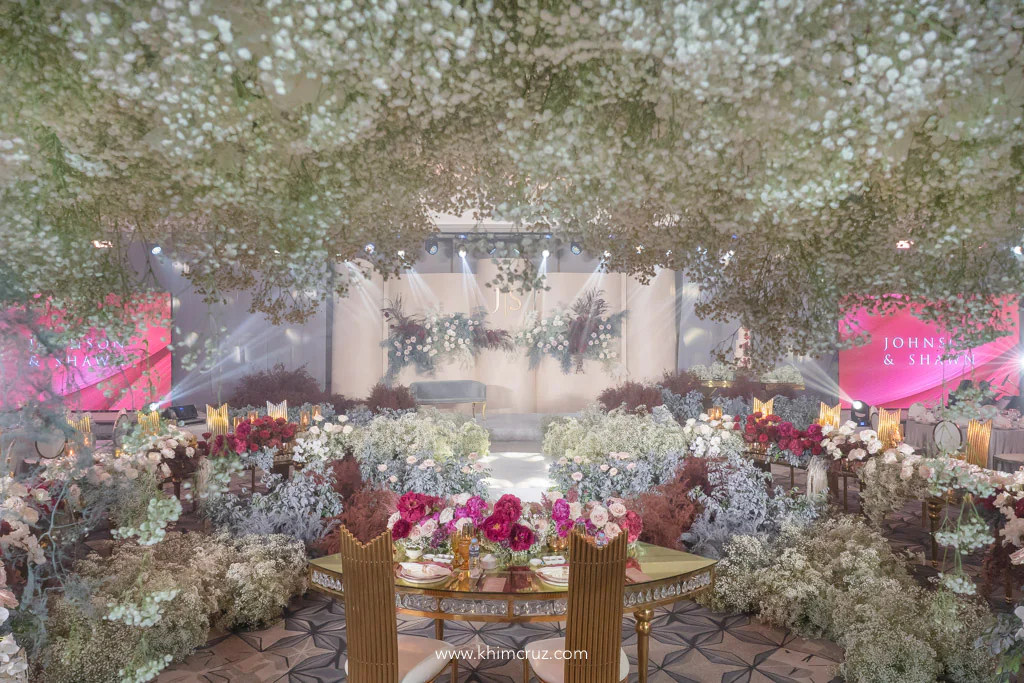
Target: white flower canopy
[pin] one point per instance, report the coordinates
(261, 143)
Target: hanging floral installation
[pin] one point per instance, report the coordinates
(584, 331)
(775, 153)
(435, 338)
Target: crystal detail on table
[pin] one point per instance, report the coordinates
(327, 581)
(537, 608)
(669, 590)
(414, 601)
(481, 607)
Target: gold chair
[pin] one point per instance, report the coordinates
(376, 653)
(978, 436)
(764, 407)
(597, 581)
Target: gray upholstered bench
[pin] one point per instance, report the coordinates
(439, 392)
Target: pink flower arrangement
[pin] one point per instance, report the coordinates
(612, 517)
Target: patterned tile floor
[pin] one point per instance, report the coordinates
(689, 644)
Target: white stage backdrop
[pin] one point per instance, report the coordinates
(648, 344)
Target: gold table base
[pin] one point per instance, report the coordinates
(456, 601)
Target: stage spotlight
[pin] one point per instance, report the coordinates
(462, 252)
(432, 246)
(156, 250)
(102, 244)
(860, 412)
(491, 248)
(1017, 250)
(369, 248)
(545, 253)
(607, 254)
(576, 249)
(401, 253)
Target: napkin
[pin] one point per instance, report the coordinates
(493, 584)
(637, 576)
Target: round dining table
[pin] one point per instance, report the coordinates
(655, 576)
(919, 435)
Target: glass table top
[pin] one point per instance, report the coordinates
(650, 564)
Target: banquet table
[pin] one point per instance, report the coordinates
(656, 576)
(919, 435)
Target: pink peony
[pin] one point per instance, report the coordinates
(520, 538)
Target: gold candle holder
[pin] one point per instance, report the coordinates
(236, 422)
(149, 422)
(764, 407)
(888, 426)
(304, 418)
(715, 413)
(277, 410)
(253, 416)
(217, 420)
(828, 415)
(317, 415)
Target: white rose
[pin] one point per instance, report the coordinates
(617, 510)
(599, 516)
(382, 468)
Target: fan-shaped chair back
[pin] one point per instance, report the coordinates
(597, 581)
(371, 621)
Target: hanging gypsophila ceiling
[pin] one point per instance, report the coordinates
(774, 151)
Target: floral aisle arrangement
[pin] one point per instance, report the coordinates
(424, 452)
(837, 578)
(712, 437)
(604, 454)
(584, 331)
(434, 338)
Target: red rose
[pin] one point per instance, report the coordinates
(763, 438)
(816, 449)
(264, 433)
(401, 529)
(1018, 508)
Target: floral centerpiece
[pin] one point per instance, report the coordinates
(611, 517)
(776, 439)
(586, 331)
(416, 523)
(426, 341)
(260, 443)
(709, 438)
(172, 450)
(847, 445)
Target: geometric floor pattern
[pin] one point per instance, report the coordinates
(689, 644)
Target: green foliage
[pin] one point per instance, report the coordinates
(838, 579)
(220, 581)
